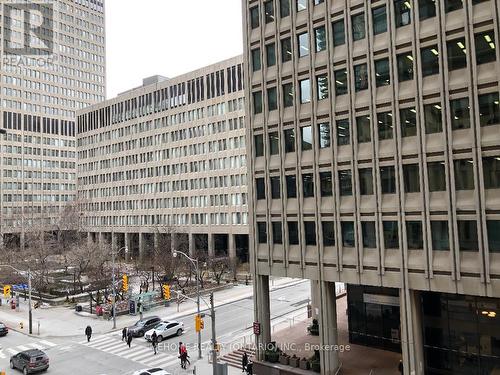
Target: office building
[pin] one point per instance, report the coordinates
(164, 164)
(373, 134)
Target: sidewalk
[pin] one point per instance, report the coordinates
(63, 321)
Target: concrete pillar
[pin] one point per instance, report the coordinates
(114, 242)
(142, 242)
(211, 247)
(328, 328)
(156, 240)
(192, 245)
(127, 245)
(315, 298)
(231, 244)
(174, 243)
(411, 332)
(262, 313)
(89, 239)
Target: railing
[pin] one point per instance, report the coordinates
(338, 370)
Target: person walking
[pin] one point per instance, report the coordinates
(88, 333)
(244, 361)
(124, 334)
(129, 338)
(154, 341)
(400, 367)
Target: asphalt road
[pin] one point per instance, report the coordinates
(107, 354)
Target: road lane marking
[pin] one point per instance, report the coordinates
(12, 351)
(48, 343)
(22, 347)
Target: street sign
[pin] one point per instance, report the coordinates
(256, 328)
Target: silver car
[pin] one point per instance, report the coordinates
(166, 329)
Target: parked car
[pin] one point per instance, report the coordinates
(30, 361)
(165, 329)
(141, 326)
(3, 329)
(152, 371)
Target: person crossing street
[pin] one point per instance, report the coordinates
(154, 341)
(129, 338)
(88, 333)
(124, 334)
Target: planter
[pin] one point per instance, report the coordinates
(294, 362)
(304, 364)
(272, 357)
(284, 359)
(316, 366)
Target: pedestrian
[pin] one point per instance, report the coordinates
(129, 338)
(244, 361)
(88, 333)
(400, 367)
(154, 341)
(124, 334)
(185, 355)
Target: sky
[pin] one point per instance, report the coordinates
(167, 37)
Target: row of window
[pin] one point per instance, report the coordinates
(466, 233)
(436, 172)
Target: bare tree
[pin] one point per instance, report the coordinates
(219, 267)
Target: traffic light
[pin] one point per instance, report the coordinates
(199, 324)
(7, 291)
(125, 283)
(166, 291)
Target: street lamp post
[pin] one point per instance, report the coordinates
(114, 282)
(197, 268)
(30, 312)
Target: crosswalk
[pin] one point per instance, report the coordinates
(112, 344)
(39, 344)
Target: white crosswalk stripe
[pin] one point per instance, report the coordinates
(39, 344)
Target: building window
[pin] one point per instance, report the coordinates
(324, 135)
(338, 33)
(286, 50)
(430, 61)
(485, 47)
(254, 17)
(364, 129)
(437, 176)
(464, 174)
(287, 95)
(358, 26)
(269, 11)
(259, 145)
(493, 227)
(277, 233)
(340, 82)
(384, 122)
(305, 91)
(260, 188)
(303, 44)
(317, 2)
(489, 109)
(451, 5)
(408, 119)
(306, 138)
(460, 113)
(391, 236)
(270, 54)
(291, 186)
(343, 132)
(320, 38)
(414, 236)
(347, 228)
(322, 86)
(360, 77)
(426, 9)
(272, 98)
(289, 135)
(301, 5)
(365, 181)
(457, 54)
(262, 232)
(345, 183)
(382, 72)
(274, 143)
(411, 177)
(284, 8)
(293, 233)
(467, 235)
(310, 233)
(491, 171)
(256, 63)
(257, 102)
(326, 184)
(433, 118)
(379, 20)
(328, 229)
(388, 180)
(275, 187)
(402, 9)
(308, 185)
(369, 234)
(440, 236)
(405, 67)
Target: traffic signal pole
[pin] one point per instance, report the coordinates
(214, 340)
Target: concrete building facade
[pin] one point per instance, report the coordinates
(42, 86)
(373, 146)
(167, 162)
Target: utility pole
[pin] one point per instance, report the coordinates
(214, 340)
(30, 316)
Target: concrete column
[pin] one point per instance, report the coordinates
(127, 245)
(142, 242)
(263, 313)
(315, 298)
(328, 328)
(231, 244)
(89, 239)
(174, 244)
(411, 332)
(192, 245)
(156, 240)
(114, 242)
(211, 247)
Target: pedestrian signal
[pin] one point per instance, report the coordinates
(166, 291)
(7, 291)
(125, 283)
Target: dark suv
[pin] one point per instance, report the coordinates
(30, 361)
(3, 329)
(140, 327)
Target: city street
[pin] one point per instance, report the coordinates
(107, 354)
